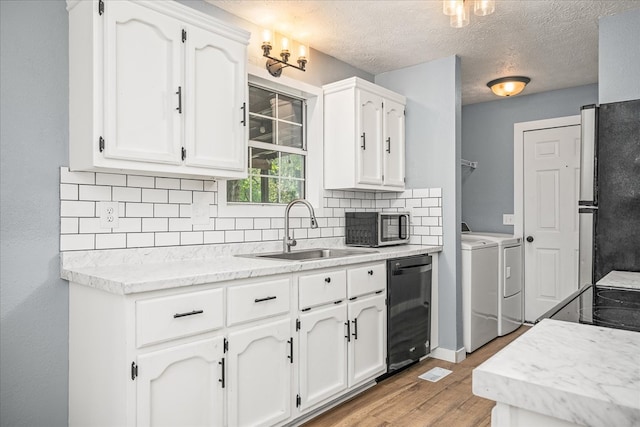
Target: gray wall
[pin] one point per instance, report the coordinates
(432, 160)
(619, 60)
(34, 144)
(34, 131)
(487, 137)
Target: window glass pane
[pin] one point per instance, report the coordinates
(290, 135)
(291, 165)
(261, 129)
(289, 109)
(291, 189)
(261, 101)
(264, 162)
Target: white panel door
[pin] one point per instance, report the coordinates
(181, 386)
(393, 144)
(216, 86)
(143, 75)
(367, 348)
(369, 109)
(259, 381)
(551, 182)
(323, 354)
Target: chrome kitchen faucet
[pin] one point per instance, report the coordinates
(287, 241)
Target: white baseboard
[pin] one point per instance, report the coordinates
(455, 356)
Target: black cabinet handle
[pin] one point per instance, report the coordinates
(364, 141)
(264, 299)
(370, 272)
(348, 336)
(191, 313)
(529, 239)
(412, 270)
(179, 93)
(355, 329)
(389, 145)
(244, 113)
(327, 279)
(222, 379)
(290, 356)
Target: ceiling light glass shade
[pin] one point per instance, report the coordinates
(449, 6)
(508, 86)
(461, 17)
(484, 7)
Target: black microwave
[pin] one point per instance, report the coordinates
(375, 229)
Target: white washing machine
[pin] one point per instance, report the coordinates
(510, 304)
(479, 291)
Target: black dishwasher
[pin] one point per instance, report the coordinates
(408, 310)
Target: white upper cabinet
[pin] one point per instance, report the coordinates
(156, 87)
(364, 136)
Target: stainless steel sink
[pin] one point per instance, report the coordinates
(312, 254)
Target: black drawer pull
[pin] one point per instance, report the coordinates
(191, 313)
(223, 376)
(264, 299)
(355, 328)
(327, 279)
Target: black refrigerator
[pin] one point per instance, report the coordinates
(609, 206)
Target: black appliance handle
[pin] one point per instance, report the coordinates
(412, 270)
(403, 223)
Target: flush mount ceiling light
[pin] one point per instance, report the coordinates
(508, 86)
(458, 10)
(275, 65)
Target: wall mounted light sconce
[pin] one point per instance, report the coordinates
(274, 64)
(508, 86)
(459, 11)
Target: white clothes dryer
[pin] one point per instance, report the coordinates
(479, 291)
(510, 277)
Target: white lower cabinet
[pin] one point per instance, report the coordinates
(342, 343)
(259, 374)
(182, 385)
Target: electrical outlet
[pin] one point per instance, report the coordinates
(108, 212)
(507, 219)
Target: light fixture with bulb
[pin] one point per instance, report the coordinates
(459, 11)
(508, 86)
(274, 64)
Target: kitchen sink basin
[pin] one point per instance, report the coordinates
(312, 254)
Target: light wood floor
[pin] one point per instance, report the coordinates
(406, 400)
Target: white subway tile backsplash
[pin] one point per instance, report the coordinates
(127, 194)
(111, 179)
(77, 209)
(156, 211)
(141, 181)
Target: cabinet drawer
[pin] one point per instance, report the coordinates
(322, 288)
(366, 280)
(175, 316)
(251, 302)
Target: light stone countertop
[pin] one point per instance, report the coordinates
(621, 279)
(584, 374)
(128, 271)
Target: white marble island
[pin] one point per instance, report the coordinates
(564, 374)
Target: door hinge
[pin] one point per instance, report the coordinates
(101, 144)
(134, 371)
(101, 7)
(404, 112)
(184, 153)
(184, 35)
(383, 105)
(297, 325)
(225, 345)
(298, 400)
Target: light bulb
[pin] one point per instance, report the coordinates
(266, 37)
(461, 17)
(484, 7)
(449, 6)
(284, 44)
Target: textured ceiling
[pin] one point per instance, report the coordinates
(554, 42)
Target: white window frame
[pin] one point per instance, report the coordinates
(314, 159)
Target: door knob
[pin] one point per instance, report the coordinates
(529, 239)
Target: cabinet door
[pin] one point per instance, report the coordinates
(181, 385)
(323, 354)
(216, 87)
(259, 384)
(143, 73)
(393, 144)
(367, 349)
(369, 109)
